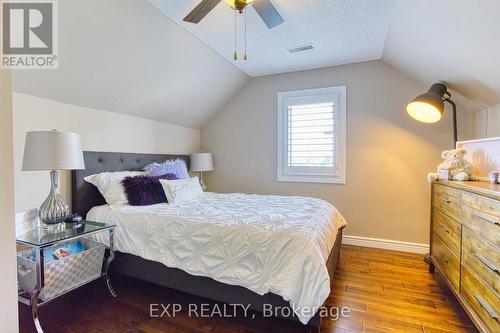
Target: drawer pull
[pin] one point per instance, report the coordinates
(487, 218)
(487, 307)
(446, 200)
(487, 263)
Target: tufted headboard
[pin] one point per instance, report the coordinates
(84, 196)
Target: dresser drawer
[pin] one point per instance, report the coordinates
(448, 263)
(485, 225)
(448, 230)
(466, 198)
(449, 201)
(444, 189)
(481, 258)
(489, 206)
(482, 300)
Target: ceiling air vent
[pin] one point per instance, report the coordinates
(301, 48)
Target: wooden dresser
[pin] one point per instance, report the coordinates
(465, 246)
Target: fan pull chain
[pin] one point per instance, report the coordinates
(245, 56)
(235, 53)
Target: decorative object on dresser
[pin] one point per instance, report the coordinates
(484, 154)
(201, 162)
(454, 166)
(465, 246)
(494, 177)
(54, 151)
(429, 107)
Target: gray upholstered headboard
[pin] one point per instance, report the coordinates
(84, 196)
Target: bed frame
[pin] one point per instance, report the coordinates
(85, 196)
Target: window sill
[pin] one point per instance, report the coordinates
(312, 179)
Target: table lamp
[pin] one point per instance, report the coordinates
(200, 162)
(53, 151)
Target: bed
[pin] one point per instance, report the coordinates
(232, 248)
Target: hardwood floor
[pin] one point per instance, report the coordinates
(387, 291)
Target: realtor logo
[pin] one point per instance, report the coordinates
(29, 34)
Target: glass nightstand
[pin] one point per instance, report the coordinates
(61, 258)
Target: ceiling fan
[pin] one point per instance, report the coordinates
(264, 8)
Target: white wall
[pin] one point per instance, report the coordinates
(158, 70)
(100, 131)
(488, 122)
(8, 283)
(388, 153)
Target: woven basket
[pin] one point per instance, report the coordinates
(63, 274)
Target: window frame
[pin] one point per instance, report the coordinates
(337, 95)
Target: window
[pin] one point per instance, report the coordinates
(312, 135)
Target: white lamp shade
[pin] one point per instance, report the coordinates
(52, 150)
(201, 162)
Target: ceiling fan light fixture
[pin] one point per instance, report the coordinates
(238, 4)
(264, 9)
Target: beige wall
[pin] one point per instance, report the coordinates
(388, 153)
(100, 131)
(8, 284)
(488, 122)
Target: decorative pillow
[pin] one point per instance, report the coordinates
(145, 190)
(110, 185)
(182, 190)
(176, 167)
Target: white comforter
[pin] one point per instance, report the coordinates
(263, 243)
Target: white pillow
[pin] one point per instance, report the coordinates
(181, 190)
(110, 185)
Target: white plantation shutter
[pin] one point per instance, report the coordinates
(311, 128)
(311, 135)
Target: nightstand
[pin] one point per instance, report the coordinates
(41, 281)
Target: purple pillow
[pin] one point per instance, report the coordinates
(145, 190)
(176, 167)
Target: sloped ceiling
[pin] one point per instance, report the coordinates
(138, 57)
(456, 41)
(341, 31)
(125, 56)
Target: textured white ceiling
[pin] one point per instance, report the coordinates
(342, 31)
(457, 41)
(124, 56)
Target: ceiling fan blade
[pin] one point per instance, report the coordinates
(200, 11)
(268, 13)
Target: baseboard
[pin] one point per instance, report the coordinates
(386, 244)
